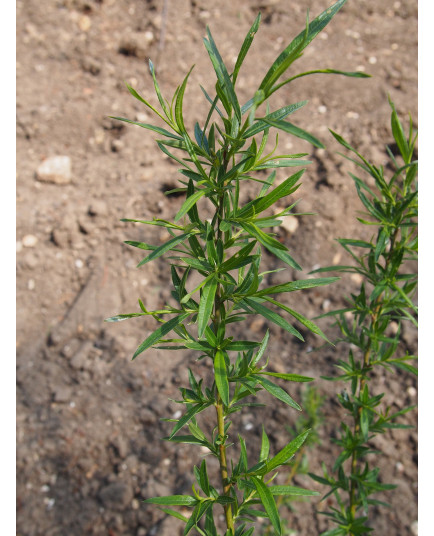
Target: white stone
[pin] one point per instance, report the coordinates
(56, 169)
(412, 391)
(29, 241)
(290, 224)
(414, 528)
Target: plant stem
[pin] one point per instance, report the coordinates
(223, 463)
(219, 403)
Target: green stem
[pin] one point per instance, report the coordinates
(223, 462)
(219, 403)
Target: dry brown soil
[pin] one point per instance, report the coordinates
(88, 420)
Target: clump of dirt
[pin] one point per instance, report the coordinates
(89, 446)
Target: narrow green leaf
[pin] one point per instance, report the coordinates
(273, 317)
(295, 48)
(245, 47)
(221, 377)
(204, 482)
(269, 504)
(190, 202)
(264, 238)
(292, 490)
(222, 74)
(206, 304)
(302, 319)
(167, 246)
(173, 500)
(262, 203)
(178, 105)
(263, 123)
(286, 453)
(187, 417)
(160, 332)
(276, 391)
(296, 285)
(174, 513)
(287, 377)
(296, 131)
(265, 446)
(282, 163)
(159, 130)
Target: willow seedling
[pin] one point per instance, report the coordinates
(385, 264)
(226, 150)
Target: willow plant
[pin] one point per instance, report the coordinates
(226, 150)
(385, 299)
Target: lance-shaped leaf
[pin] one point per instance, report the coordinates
(276, 391)
(159, 333)
(190, 202)
(206, 304)
(264, 123)
(221, 376)
(245, 47)
(264, 238)
(295, 48)
(283, 163)
(298, 132)
(292, 490)
(179, 100)
(159, 130)
(272, 316)
(188, 415)
(302, 319)
(285, 257)
(269, 504)
(257, 206)
(173, 500)
(296, 285)
(222, 74)
(167, 246)
(286, 453)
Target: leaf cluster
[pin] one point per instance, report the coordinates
(228, 148)
(385, 299)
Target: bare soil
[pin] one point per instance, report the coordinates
(89, 446)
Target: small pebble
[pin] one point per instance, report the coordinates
(372, 60)
(353, 115)
(411, 391)
(414, 528)
(290, 224)
(29, 241)
(248, 426)
(177, 414)
(84, 23)
(337, 258)
(49, 502)
(357, 278)
(399, 467)
(31, 284)
(322, 109)
(56, 170)
(79, 263)
(326, 305)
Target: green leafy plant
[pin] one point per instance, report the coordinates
(385, 299)
(311, 419)
(225, 250)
